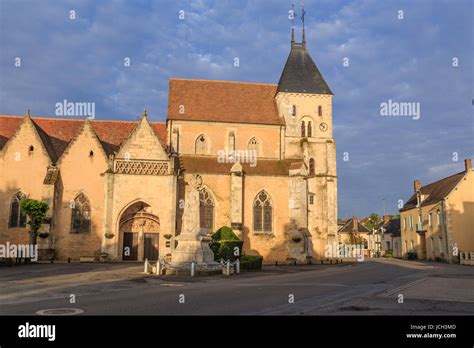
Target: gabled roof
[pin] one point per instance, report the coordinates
(435, 191)
(392, 227)
(349, 227)
(301, 75)
(222, 101)
(56, 134)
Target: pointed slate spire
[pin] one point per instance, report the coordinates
(300, 74)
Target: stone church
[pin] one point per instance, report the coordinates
(265, 154)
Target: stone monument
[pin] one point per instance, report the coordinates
(193, 243)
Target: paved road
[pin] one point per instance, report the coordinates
(370, 287)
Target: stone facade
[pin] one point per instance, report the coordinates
(436, 221)
(118, 190)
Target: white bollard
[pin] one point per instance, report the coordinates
(193, 268)
(158, 267)
(147, 267)
(228, 267)
(237, 266)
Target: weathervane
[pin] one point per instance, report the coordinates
(293, 14)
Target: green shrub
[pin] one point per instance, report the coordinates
(225, 249)
(223, 244)
(224, 233)
(388, 253)
(251, 262)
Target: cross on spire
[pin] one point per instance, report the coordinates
(303, 12)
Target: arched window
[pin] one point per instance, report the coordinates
(311, 166)
(293, 110)
(262, 213)
(310, 129)
(201, 145)
(81, 214)
(206, 210)
(303, 129)
(17, 218)
(253, 146)
(320, 110)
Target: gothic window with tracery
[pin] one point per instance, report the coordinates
(201, 145)
(262, 213)
(253, 146)
(206, 210)
(303, 129)
(81, 214)
(17, 218)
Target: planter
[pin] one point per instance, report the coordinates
(43, 235)
(109, 235)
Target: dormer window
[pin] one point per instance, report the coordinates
(31, 149)
(320, 110)
(91, 153)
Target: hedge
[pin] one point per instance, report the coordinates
(251, 262)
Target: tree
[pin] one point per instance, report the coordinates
(356, 238)
(373, 222)
(36, 214)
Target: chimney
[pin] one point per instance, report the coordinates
(467, 164)
(355, 225)
(416, 185)
(386, 219)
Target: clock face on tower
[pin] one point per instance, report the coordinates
(323, 127)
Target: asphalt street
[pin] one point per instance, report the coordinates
(375, 286)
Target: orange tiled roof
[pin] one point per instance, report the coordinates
(56, 134)
(210, 165)
(8, 126)
(222, 101)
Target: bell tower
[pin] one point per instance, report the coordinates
(304, 101)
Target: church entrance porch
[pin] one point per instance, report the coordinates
(139, 233)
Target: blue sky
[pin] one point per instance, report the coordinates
(408, 60)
